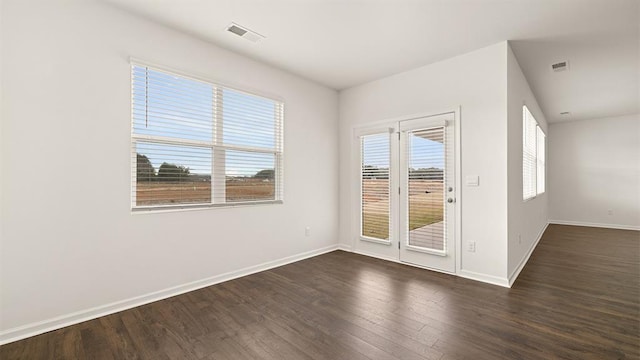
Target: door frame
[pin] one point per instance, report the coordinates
(389, 250)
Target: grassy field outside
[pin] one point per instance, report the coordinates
(425, 205)
(197, 192)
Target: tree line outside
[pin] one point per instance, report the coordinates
(431, 173)
(167, 172)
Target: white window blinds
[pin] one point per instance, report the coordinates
(528, 154)
(540, 161)
(533, 156)
(375, 160)
(426, 151)
(195, 143)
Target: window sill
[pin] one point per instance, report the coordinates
(191, 207)
(532, 198)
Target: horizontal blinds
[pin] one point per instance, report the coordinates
(540, 160)
(243, 112)
(425, 153)
(195, 142)
(375, 162)
(528, 154)
(171, 107)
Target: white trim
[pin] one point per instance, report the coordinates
(40, 327)
(516, 272)
(154, 209)
(391, 259)
(412, 124)
(345, 247)
(458, 188)
(377, 256)
(434, 112)
(425, 250)
(374, 240)
(490, 279)
(393, 122)
(598, 225)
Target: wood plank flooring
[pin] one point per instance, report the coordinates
(578, 298)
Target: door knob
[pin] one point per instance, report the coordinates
(450, 200)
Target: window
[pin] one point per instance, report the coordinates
(533, 156)
(374, 183)
(540, 161)
(198, 144)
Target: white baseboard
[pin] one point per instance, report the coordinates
(40, 327)
(599, 225)
(344, 247)
(386, 258)
(516, 272)
(490, 279)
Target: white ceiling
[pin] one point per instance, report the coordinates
(343, 43)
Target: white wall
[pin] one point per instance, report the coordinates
(527, 219)
(477, 82)
(69, 241)
(594, 168)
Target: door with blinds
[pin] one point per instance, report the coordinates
(427, 192)
(406, 192)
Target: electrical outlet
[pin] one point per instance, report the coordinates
(471, 247)
(307, 231)
(610, 212)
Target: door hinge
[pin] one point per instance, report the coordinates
(398, 245)
(398, 190)
(398, 135)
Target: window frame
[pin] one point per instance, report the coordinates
(537, 129)
(216, 144)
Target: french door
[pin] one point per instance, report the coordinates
(407, 192)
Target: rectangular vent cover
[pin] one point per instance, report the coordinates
(560, 66)
(244, 33)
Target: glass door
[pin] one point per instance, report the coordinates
(427, 197)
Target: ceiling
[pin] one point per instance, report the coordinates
(343, 43)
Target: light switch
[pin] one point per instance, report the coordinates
(472, 180)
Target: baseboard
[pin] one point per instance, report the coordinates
(58, 322)
(344, 247)
(490, 279)
(516, 272)
(598, 225)
(386, 258)
(494, 280)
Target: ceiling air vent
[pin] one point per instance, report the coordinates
(244, 33)
(560, 66)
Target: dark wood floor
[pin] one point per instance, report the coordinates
(578, 298)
